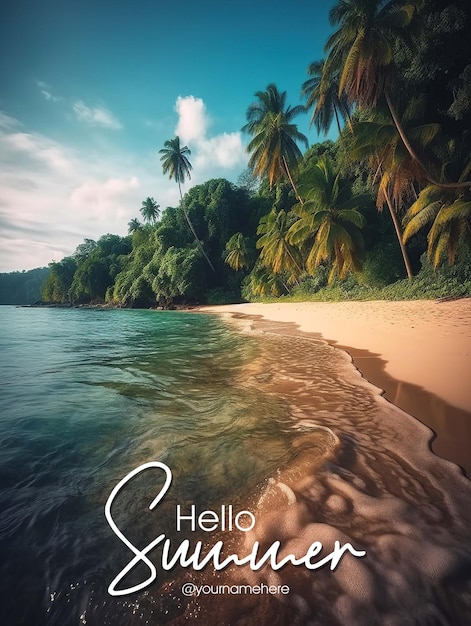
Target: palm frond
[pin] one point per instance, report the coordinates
(421, 219)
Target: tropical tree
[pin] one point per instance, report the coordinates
(274, 150)
(176, 164)
(134, 225)
(449, 217)
(59, 281)
(150, 210)
(277, 252)
(239, 255)
(363, 50)
(180, 274)
(322, 96)
(329, 223)
(398, 173)
(262, 281)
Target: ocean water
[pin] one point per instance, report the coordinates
(88, 395)
(281, 426)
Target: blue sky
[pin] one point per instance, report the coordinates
(91, 89)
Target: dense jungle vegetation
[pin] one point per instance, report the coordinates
(383, 212)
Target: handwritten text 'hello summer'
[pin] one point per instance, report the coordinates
(207, 521)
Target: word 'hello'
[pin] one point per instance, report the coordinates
(210, 520)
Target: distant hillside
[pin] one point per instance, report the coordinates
(22, 287)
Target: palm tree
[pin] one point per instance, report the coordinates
(150, 210)
(329, 223)
(175, 162)
(263, 282)
(134, 225)
(363, 50)
(322, 95)
(277, 252)
(450, 217)
(274, 150)
(239, 255)
(397, 171)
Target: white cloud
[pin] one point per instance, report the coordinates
(192, 119)
(225, 150)
(7, 122)
(106, 200)
(53, 196)
(46, 91)
(25, 147)
(49, 96)
(210, 154)
(98, 116)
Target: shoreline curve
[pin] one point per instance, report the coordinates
(416, 353)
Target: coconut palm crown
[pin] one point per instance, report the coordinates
(274, 148)
(321, 91)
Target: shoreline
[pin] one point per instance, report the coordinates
(417, 352)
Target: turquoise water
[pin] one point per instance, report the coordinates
(88, 395)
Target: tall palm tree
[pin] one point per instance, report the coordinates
(398, 173)
(150, 210)
(363, 46)
(277, 252)
(134, 225)
(363, 50)
(274, 150)
(175, 162)
(322, 95)
(329, 224)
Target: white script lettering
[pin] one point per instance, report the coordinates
(187, 558)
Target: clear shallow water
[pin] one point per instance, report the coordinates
(88, 395)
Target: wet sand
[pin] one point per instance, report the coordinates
(360, 471)
(417, 352)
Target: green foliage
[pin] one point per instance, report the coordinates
(362, 49)
(23, 287)
(126, 291)
(383, 265)
(329, 223)
(240, 254)
(399, 76)
(262, 282)
(309, 285)
(181, 274)
(276, 251)
(59, 282)
(445, 282)
(322, 95)
(87, 275)
(448, 214)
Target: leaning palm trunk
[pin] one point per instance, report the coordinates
(413, 153)
(190, 225)
(285, 164)
(397, 228)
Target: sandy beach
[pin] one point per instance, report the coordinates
(362, 470)
(418, 352)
